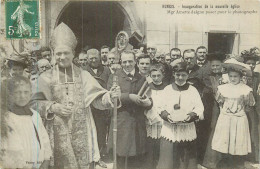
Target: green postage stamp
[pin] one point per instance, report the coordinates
(22, 19)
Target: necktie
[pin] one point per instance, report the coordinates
(130, 75)
(200, 64)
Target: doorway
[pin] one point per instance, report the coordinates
(221, 42)
(94, 23)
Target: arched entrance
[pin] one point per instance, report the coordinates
(94, 23)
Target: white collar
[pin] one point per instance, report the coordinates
(157, 84)
(112, 71)
(143, 74)
(201, 61)
(132, 72)
(104, 63)
(94, 70)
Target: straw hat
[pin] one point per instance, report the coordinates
(233, 64)
(17, 59)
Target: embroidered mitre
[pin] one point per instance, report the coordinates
(63, 36)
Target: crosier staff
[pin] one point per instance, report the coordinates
(115, 83)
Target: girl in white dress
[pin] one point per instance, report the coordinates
(231, 136)
(25, 143)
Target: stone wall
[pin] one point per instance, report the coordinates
(190, 31)
(164, 30)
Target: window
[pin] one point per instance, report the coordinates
(221, 42)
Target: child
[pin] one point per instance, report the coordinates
(231, 136)
(26, 144)
(154, 121)
(182, 106)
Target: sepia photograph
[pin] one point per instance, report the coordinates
(89, 84)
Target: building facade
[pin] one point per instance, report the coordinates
(97, 23)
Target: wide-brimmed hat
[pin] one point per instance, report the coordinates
(233, 64)
(216, 56)
(18, 59)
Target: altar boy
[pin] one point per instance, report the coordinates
(26, 143)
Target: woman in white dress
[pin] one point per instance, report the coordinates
(25, 143)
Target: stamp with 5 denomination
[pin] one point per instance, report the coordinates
(22, 19)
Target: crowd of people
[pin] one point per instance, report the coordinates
(176, 109)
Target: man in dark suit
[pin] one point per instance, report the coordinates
(46, 53)
(131, 128)
(194, 69)
(96, 69)
(144, 64)
(104, 51)
(175, 53)
(101, 117)
(83, 60)
(201, 56)
(112, 65)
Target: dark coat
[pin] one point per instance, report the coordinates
(253, 114)
(195, 78)
(204, 64)
(101, 117)
(205, 127)
(102, 75)
(131, 128)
